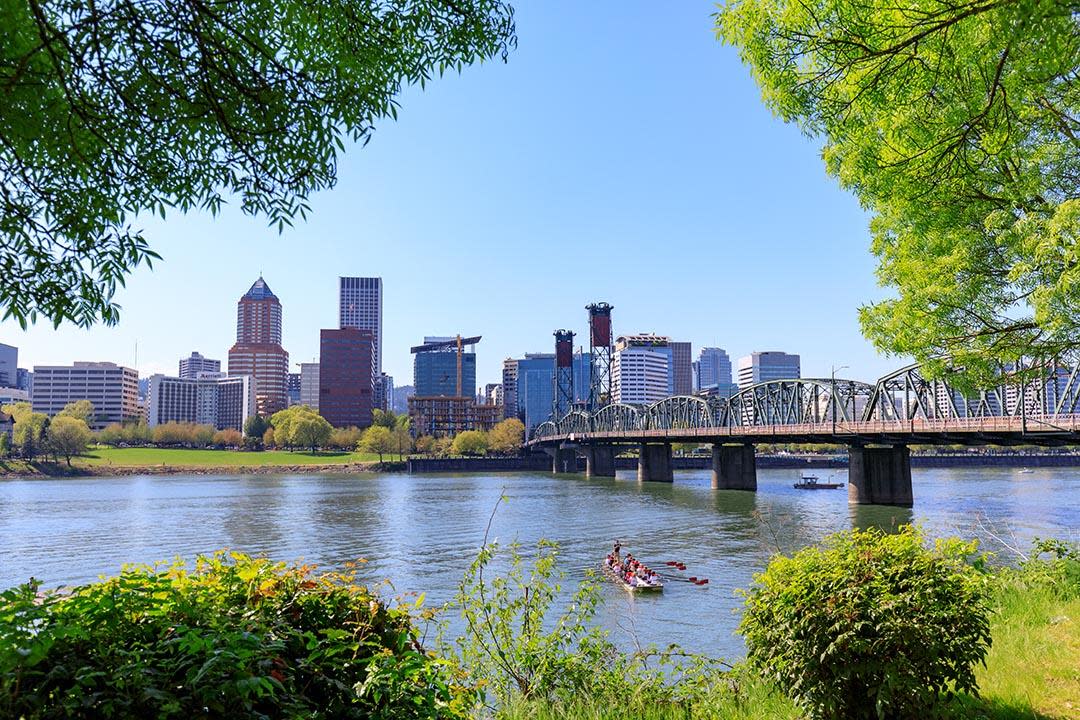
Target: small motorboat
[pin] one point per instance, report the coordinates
(634, 583)
(812, 482)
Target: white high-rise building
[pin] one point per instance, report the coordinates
(309, 385)
(113, 389)
(360, 306)
(191, 366)
(226, 402)
(642, 370)
(761, 367)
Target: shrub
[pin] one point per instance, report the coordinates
(228, 437)
(870, 625)
(234, 637)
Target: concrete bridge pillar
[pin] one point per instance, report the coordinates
(734, 467)
(654, 463)
(564, 460)
(879, 476)
(599, 461)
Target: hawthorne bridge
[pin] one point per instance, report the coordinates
(878, 422)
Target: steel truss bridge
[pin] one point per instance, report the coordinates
(900, 409)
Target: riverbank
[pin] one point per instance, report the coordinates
(108, 461)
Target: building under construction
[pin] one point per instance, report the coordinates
(444, 374)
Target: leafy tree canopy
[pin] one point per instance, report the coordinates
(112, 108)
(80, 410)
(958, 126)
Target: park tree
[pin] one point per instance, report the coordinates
(425, 445)
(268, 439)
(470, 442)
(506, 436)
(30, 433)
(112, 109)
(80, 410)
(345, 438)
(310, 430)
(385, 418)
(958, 126)
(5, 445)
(377, 439)
(228, 437)
(402, 433)
(255, 426)
(68, 436)
(17, 410)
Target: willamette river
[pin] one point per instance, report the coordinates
(420, 531)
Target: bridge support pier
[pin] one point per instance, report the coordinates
(654, 463)
(734, 467)
(563, 460)
(599, 461)
(879, 476)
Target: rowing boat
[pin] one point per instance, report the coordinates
(616, 577)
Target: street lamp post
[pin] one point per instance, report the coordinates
(832, 375)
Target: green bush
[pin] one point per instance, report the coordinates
(233, 637)
(871, 625)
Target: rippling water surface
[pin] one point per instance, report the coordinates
(420, 531)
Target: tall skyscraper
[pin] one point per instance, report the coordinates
(114, 390)
(509, 384)
(360, 306)
(9, 365)
(292, 388)
(714, 371)
(346, 377)
(191, 366)
(682, 368)
(309, 385)
(642, 370)
(258, 350)
(761, 367)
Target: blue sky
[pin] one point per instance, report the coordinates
(622, 154)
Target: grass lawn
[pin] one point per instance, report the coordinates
(176, 457)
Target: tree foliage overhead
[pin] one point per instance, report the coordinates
(958, 125)
(111, 108)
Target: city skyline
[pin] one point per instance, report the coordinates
(728, 209)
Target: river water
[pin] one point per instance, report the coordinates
(421, 531)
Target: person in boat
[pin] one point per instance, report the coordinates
(617, 550)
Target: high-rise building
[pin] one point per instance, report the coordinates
(384, 391)
(682, 371)
(25, 380)
(714, 367)
(309, 385)
(536, 386)
(761, 367)
(346, 376)
(292, 388)
(642, 370)
(226, 402)
(493, 394)
(258, 350)
(113, 390)
(360, 306)
(509, 388)
(9, 366)
(191, 366)
(435, 367)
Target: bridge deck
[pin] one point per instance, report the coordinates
(1061, 430)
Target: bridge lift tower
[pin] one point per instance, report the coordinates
(563, 388)
(600, 352)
